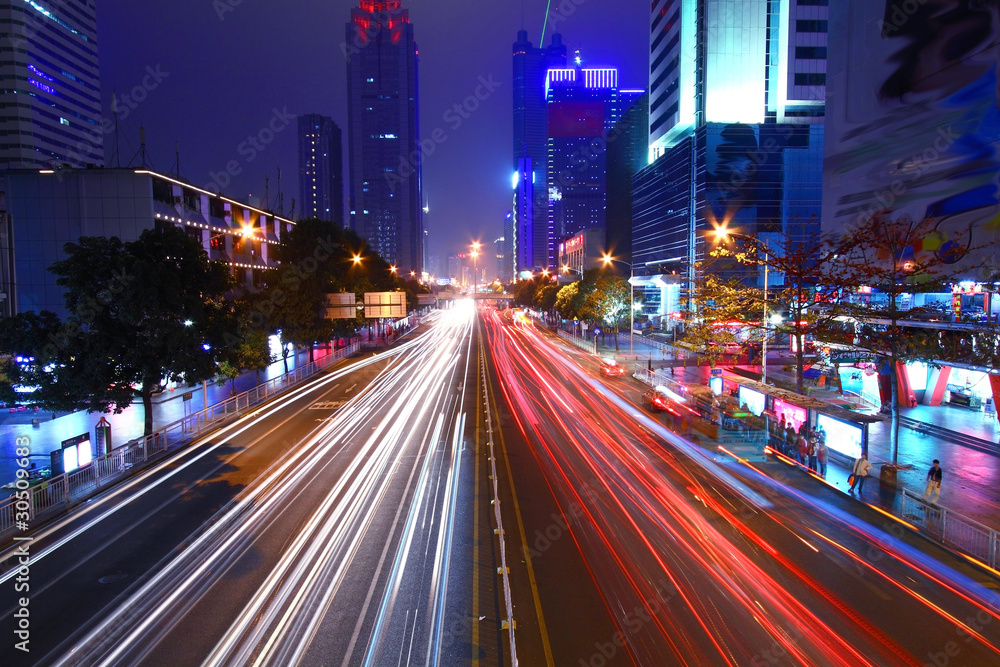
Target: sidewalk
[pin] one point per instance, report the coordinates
(168, 407)
(970, 478)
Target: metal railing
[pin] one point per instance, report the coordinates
(60, 492)
(508, 601)
(582, 343)
(952, 529)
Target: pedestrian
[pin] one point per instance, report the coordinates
(860, 471)
(933, 491)
(813, 451)
(802, 446)
(821, 457)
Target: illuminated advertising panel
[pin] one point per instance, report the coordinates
(841, 436)
(576, 119)
(793, 414)
(753, 399)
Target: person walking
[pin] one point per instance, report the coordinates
(933, 491)
(860, 472)
(821, 457)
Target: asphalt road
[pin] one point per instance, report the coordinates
(701, 562)
(333, 526)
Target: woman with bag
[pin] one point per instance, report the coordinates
(859, 473)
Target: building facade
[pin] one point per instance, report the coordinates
(530, 150)
(627, 144)
(50, 100)
(321, 172)
(385, 202)
(736, 137)
(42, 210)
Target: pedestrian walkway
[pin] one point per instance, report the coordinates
(168, 407)
(971, 478)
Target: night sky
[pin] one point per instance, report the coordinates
(225, 66)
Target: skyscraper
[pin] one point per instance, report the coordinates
(385, 182)
(583, 105)
(529, 246)
(736, 106)
(51, 92)
(321, 174)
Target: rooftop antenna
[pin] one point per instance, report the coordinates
(142, 150)
(177, 160)
(267, 189)
(280, 205)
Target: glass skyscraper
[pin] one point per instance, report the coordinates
(737, 102)
(51, 87)
(321, 174)
(385, 161)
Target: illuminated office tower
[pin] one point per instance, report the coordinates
(385, 157)
(321, 176)
(737, 94)
(51, 92)
(583, 105)
(528, 245)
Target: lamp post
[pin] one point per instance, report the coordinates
(721, 234)
(608, 259)
(475, 268)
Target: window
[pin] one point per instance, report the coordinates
(810, 26)
(810, 52)
(810, 79)
(813, 3)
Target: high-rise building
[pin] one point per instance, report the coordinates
(913, 127)
(627, 153)
(51, 92)
(385, 184)
(584, 105)
(736, 106)
(530, 208)
(321, 172)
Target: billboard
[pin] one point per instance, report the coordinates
(341, 306)
(576, 119)
(912, 123)
(385, 304)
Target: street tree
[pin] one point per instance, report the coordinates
(609, 302)
(882, 263)
(718, 305)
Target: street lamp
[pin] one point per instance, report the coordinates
(608, 259)
(475, 268)
(721, 234)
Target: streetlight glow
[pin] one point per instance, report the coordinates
(608, 259)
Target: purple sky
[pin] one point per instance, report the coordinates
(226, 65)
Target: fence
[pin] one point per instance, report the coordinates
(504, 574)
(952, 529)
(63, 491)
(582, 343)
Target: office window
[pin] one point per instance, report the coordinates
(805, 25)
(810, 52)
(802, 79)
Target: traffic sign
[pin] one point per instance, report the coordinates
(597, 332)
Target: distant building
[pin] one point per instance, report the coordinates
(627, 154)
(43, 210)
(736, 106)
(385, 161)
(579, 253)
(530, 243)
(51, 92)
(321, 172)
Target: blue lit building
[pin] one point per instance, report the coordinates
(584, 104)
(735, 135)
(385, 204)
(531, 238)
(51, 86)
(321, 172)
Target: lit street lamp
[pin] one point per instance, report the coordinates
(608, 259)
(475, 268)
(721, 234)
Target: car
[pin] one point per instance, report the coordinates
(611, 369)
(656, 400)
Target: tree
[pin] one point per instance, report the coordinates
(545, 298)
(566, 298)
(609, 302)
(892, 259)
(718, 303)
(141, 313)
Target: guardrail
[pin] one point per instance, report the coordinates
(952, 529)
(957, 437)
(509, 622)
(61, 492)
(582, 343)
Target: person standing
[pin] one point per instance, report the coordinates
(860, 472)
(933, 491)
(802, 445)
(821, 457)
(813, 451)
